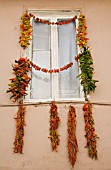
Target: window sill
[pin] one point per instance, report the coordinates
(60, 101)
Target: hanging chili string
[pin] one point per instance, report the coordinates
(45, 70)
(85, 59)
(81, 35)
(54, 124)
(26, 31)
(21, 80)
(90, 131)
(72, 140)
(53, 23)
(20, 123)
(89, 84)
(18, 87)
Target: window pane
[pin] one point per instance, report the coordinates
(41, 36)
(68, 83)
(41, 86)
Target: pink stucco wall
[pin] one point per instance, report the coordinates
(37, 152)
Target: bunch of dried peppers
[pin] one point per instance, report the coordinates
(81, 35)
(89, 84)
(54, 124)
(20, 123)
(85, 59)
(21, 80)
(26, 31)
(90, 131)
(72, 140)
(18, 87)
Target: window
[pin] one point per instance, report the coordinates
(54, 46)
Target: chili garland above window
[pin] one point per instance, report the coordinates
(20, 82)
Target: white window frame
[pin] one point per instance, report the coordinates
(47, 14)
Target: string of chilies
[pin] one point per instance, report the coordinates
(53, 23)
(20, 123)
(21, 80)
(90, 131)
(54, 124)
(45, 70)
(72, 144)
(89, 85)
(18, 87)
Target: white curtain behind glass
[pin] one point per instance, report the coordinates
(68, 83)
(41, 82)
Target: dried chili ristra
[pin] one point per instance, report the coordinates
(85, 59)
(90, 131)
(81, 35)
(21, 80)
(72, 140)
(18, 87)
(54, 124)
(20, 123)
(26, 31)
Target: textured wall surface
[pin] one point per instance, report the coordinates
(37, 151)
